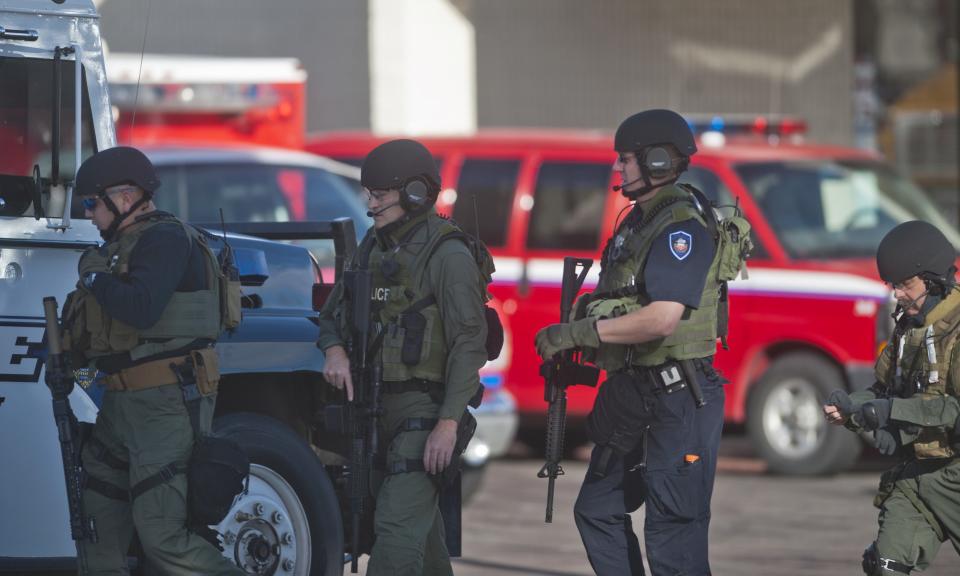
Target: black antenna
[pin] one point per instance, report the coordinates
(476, 216)
(223, 226)
(143, 47)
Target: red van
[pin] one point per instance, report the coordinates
(809, 318)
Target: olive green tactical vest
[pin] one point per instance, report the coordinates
(393, 296)
(187, 317)
(924, 365)
(622, 268)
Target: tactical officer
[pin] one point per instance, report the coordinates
(651, 324)
(427, 297)
(146, 313)
(912, 409)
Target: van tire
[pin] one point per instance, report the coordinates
(273, 446)
(785, 419)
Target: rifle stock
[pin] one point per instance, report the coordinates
(60, 381)
(560, 372)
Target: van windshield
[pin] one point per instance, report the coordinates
(26, 128)
(836, 209)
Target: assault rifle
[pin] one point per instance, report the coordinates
(60, 381)
(357, 419)
(559, 372)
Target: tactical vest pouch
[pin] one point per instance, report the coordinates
(217, 473)
(933, 443)
(230, 303)
(414, 325)
(735, 247)
(206, 370)
(230, 290)
(610, 357)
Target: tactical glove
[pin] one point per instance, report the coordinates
(886, 440)
(93, 260)
(842, 401)
(559, 337)
(874, 414)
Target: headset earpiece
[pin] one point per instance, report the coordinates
(658, 161)
(415, 193)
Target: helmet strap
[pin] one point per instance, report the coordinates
(111, 230)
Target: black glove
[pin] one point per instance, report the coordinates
(887, 440)
(842, 401)
(875, 414)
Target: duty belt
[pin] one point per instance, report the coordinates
(147, 375)
(411, 385)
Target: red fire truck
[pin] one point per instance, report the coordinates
(809, 318)
(182, 99)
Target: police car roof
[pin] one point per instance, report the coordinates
(199, 153)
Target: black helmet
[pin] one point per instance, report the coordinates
(916, 248)
(406, 165)
(652, 127)
(113, 166)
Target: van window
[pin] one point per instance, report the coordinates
(260, 193)
(492, 182)
(719, 195)
(568, 206)
(710, 184)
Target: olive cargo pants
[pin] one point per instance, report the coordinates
(914, 497)
(147, 429)
(409, 535)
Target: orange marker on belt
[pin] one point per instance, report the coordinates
(690, 458)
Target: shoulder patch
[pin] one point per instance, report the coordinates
(681, 244)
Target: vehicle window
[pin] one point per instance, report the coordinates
(829, 209)
(26, 129)
(710, 184)
(719, 195)
(488, 184)
(261, 193)
(568, 206)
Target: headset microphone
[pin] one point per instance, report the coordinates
(371, 213)
(620, 187)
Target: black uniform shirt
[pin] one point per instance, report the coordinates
(676, 268)
(162, 262)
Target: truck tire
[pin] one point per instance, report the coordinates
(785, 420)
(290, 505)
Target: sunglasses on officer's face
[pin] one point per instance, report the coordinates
(90, 204)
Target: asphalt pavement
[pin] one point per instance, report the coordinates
(762, 524)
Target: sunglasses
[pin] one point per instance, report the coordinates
(90, 203)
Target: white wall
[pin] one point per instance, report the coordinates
(422, 68)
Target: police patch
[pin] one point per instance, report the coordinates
(681, 243)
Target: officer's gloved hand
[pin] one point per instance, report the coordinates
(842, 401)
(875, 414)
(559, 337)
(93, 260)
(886, 440)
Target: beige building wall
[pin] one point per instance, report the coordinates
(576, 63)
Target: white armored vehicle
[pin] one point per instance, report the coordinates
(54, 113)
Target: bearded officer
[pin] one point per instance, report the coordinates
(912, 409)
(146, 313)
(651, 324)
(429, 373)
